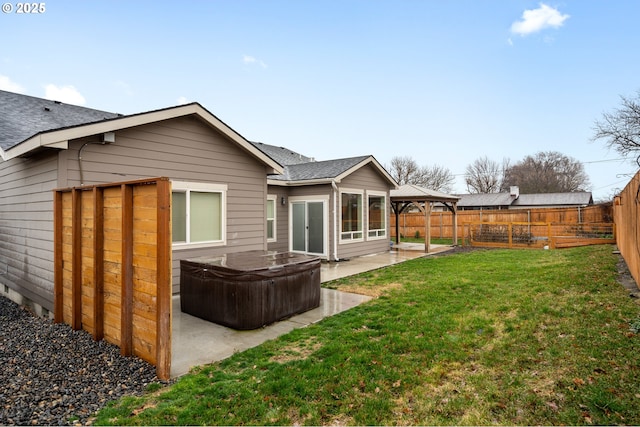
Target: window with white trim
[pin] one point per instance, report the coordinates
(271, 219)
(351, 224)
(377, 215)
(198, 214)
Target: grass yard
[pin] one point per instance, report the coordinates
(489, 337)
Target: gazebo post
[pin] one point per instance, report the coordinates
(397, 211)
(455, 223)
(427, 226)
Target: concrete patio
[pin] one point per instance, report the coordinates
(198, 342)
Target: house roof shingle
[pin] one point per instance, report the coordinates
(282, 155)
(327, 169)
(298, 167)
(23, 116)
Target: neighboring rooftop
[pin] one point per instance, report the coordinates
(554, 199)
(515, 200)
(486, 200)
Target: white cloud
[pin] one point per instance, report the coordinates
(250, 60)
(67, 94)
(534, 20)
(10, 86)
(182, 100)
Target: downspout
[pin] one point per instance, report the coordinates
(80, 160)
(335, 220)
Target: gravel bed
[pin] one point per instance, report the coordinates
(53, 375)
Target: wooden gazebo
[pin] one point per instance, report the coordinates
(423, 198)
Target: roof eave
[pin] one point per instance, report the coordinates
(378, 166)
(301, 182)
(59, 138)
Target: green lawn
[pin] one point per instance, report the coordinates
(511, 337)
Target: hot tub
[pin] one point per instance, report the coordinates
(248, 290)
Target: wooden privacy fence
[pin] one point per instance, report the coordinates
(537, 234)
(442, 222)
(626, 209)
(112, 276)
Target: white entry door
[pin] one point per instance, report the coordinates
(308, 226)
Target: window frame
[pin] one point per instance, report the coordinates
(272, 198)
(201, 187)
(362, 232)
(380, 233)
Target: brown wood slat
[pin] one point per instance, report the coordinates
(98, 263)
(126, 328)
(163, 336)
(58, 315)
(76, 274)
(124, 229)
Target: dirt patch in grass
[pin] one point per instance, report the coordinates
(297, 351)
(370, 291)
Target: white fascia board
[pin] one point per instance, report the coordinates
(303, 182)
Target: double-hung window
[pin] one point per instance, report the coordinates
(271, 218)
(377, 215)
(198, 214)
(352, 224)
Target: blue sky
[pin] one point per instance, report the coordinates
(443, 82)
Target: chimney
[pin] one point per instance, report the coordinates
(514, 191)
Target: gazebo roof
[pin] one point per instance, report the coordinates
(413, 193)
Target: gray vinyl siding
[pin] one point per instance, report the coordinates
(282, 219)
(186, 149)
(26, 226)
(364, 179)
(182, 149)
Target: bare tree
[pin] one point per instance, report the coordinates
(485, 175)
(436, 178)
(621, 129)
(405, 170)
(547, 172)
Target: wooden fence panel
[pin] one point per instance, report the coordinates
(113, 265)
(537, 234)
(413, 223)
(626, 208)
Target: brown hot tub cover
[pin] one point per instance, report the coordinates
(248, 290)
